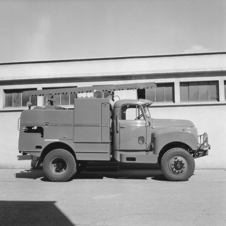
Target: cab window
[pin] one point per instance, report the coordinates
(132, 112)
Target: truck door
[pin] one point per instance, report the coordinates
(132, 128)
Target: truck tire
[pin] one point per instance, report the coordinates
(177, 164)
(59, 165)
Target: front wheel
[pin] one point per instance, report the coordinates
(177, 164)
(59, 165)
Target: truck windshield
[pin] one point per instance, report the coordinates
(146, 111)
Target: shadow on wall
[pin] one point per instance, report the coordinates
(21, 213)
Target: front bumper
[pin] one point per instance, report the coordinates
(203, 146)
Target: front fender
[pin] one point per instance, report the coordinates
(162, 138)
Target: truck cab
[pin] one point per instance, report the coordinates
(132, 131)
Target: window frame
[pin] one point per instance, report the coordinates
(157, 91)
(59, 96)
(140, 109)
(19, 91)
(189, 86)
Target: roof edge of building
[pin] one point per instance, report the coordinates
(114, 58)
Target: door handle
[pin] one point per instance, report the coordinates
(122, 127)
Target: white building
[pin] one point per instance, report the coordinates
(188, 86)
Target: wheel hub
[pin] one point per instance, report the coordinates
(58, 166)
(178, 165)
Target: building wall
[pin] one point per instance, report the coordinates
(116, 66)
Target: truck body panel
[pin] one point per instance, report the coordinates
(132, 135)
(135, 157)
(92, 151)
(92, 120)
(165, 137)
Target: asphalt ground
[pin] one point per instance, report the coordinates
(124, 197)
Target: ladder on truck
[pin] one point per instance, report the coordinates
(95, 88)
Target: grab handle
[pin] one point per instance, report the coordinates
(117, 124)
(18, 124)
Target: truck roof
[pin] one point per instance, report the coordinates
(119, 103)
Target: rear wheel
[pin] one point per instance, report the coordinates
(59, 165)
(177, 164)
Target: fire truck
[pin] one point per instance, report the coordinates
(62, 140)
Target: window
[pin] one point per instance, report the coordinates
(61, 99)
(163, 92)
(131, 112)
(103, 94)
(16, 98)
(199, 91)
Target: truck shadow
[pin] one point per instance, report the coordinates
(139, 174)
(30, 174)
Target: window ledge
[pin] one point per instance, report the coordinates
(13, 109)
(185, 104)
